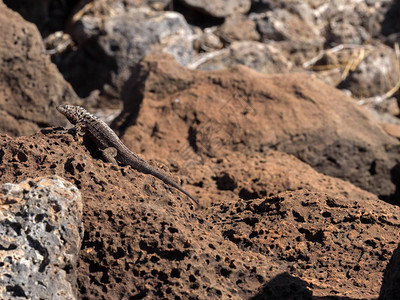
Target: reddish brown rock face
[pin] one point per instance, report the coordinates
(30, 85)
(241, 110)
(273, 229)
(289, 171)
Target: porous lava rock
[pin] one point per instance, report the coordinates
(274, 229)
(141, 237)
(307, 231)
(40, 238)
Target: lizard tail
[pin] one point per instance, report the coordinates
(169, 181)
(178, 187)
(144, 167)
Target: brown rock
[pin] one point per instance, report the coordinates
(273, 172)
(140, 239)
(339, 246)
(391, 129)
(194, 114)
(30, 85)
(238, 27)
(313, 234)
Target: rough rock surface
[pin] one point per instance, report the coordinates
(30, 85)
(40, 237)
(346, 29)
(271, 226)
(242, 110)
(308, 231)
(277, 231)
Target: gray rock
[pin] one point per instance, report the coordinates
(266, 58)
(347, 30)
(131, 35)
(358, 20)
(375, 75)
(220, 8)
(110, 45)
(40, 236)
(282, 25)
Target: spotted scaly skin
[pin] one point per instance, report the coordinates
(107, 141)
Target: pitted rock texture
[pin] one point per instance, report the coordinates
(40, 237)
(195, 114)
(309, 231)
(277, 229)
(30, 85)
(142, 237)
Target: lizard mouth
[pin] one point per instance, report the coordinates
(61, 108)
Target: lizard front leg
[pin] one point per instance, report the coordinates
(78, 128)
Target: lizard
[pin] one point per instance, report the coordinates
(111, 146)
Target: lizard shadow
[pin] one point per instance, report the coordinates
(132, 97)
(287, 287)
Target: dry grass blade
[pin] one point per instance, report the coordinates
(353, 63)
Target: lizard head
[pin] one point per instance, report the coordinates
(74, 114)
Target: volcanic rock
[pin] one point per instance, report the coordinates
(279, 221)
(40, 237)
(30, 85)
(176, 111)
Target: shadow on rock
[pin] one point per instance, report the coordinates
(391, 23)
(284, 287)
(287, 287)
(395, 178)
(390, 284)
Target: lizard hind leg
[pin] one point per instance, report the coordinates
(109, 155)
